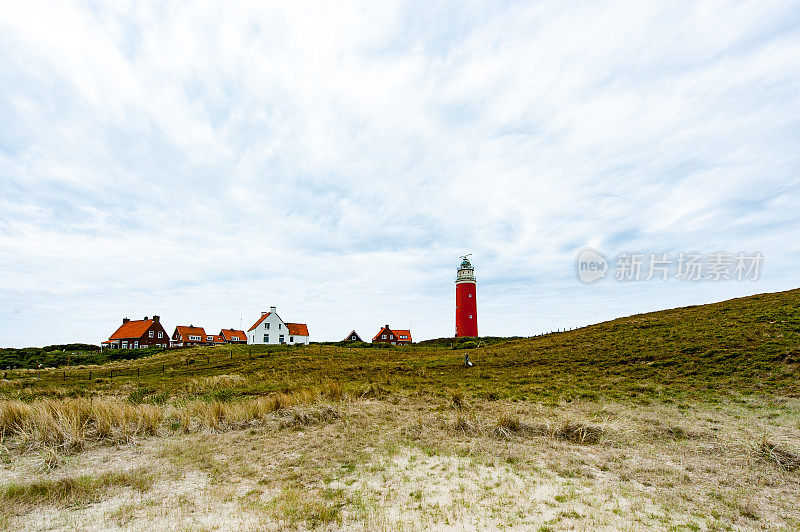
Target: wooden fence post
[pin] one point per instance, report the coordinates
(90, 374)
(162, 368)
(65, 375)
(137, 373)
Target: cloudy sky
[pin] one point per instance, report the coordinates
(205, 162)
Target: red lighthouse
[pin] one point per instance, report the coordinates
(466, 305)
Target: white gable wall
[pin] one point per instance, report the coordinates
(273, 327)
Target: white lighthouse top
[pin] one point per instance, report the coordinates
(466, 273)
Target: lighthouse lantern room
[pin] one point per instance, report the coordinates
(466, 304)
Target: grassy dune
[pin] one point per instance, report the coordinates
(681, 418)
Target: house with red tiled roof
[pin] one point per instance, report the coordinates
(232, 336)
(188, 335)
(392, 336)
(214, 339)
(136, 334)
(271, 329)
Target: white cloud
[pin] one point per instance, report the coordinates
(203, 163)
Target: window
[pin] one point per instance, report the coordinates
(266, 325)
(136, 344)
(150, 334)
(195, 338)
(383, 337)
(470, 295)
(391, 336)
(209, 338)
(291, 339)
(266, 338)
(279, 326)
(280, 338)
(470, 316)
(353, 337)
(125, 344)
(160, 334)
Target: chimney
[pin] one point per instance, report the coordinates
(145, 318)
(387, 325)
(156, 318)
(125, 320)
(272, 309)
(264, 313)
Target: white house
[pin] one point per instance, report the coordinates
(271, 329)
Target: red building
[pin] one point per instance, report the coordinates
(466, 300)
(188, 336)
(214, 339)
(232, 336)
(135, 334)
(392, 336)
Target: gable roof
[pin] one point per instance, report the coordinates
(396, 332)
(131, 329)
(379, 332)
(233, 334)
(297, 329)
(217, 339)
(185, 331)
(258, 321)
(350, 335)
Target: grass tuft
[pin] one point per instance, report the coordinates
(509, 424)
(785, 459)
(374, 390)
(70, 423)
(581, 433)
(70, 491)
(459, 401)
(204, 385)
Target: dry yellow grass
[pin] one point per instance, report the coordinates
(201, 385)
(70, 423)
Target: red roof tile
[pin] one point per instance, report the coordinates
(396, 332)
(258, 322)
(297, 329)
(233, 334)
(403, 332)
(132, 329)
(185, 331)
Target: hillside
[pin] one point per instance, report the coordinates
(684, 418)
(744, 345)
